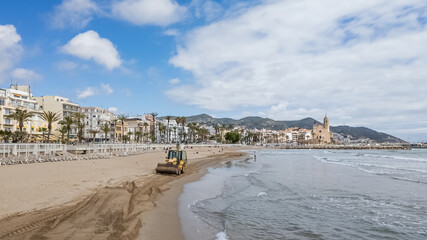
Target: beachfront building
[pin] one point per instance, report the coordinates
(96, 118)
(321, 132)
(60, 105)
(171, 129)
(19, 97)
(135, 129)
(120, 130)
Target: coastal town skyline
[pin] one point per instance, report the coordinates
(362, 63)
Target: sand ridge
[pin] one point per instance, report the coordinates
(112, 212)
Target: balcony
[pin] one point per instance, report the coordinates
(7, 121)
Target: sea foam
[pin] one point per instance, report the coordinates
(222, 236)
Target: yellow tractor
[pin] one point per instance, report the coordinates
(176, 162)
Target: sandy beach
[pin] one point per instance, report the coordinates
(115, 198)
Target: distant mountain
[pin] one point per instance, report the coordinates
(267, 123)
(363, 132)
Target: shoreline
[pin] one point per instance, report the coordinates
(116, 210)
(163, 222)
(341, 147)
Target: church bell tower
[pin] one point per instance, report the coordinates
(326, 122)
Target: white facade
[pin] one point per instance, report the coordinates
(19, 97)
(60, 105)
(95, 119)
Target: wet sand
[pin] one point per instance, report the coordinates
(163, 222)
(96, 199)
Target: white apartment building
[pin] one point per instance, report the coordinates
(19, 97)
(96, 117)
(173, 132)
(60, 105)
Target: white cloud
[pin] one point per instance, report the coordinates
(66, 65)
(10, 48)
(74, 13)
(113, 109)
(25, 75)
(174, 81)
(106, 88)
(283, 111)
(90, 91)
(207, 9)
(149, 12)
(171, 32)
(362, 62)
(90, 45)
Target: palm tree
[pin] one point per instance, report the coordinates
(50, 117)
(183, 121)
(174, 129)
(81, 132)
(67, 122)
(63, 130)
(43, 130)
(178, 122)
(106, 129)
(21, 116)
(122, 118)
(79, 121)
(145, 129)
(217, 128)
(93, 132)
(154, 115)
(168, 118)
(138, 135)
(129, 135)
(145, 135)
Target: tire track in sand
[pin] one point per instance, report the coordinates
(109, 213)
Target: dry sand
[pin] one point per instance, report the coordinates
(96, 199)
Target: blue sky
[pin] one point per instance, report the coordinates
(361, 62)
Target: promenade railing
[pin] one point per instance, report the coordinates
(21, 153)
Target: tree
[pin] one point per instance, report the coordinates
(169, 119)
(183, 121)
(162, 129)
(50, 117)
(93, 132)
(106, 129)
(178, 122)
(79, 121)
(67, 122)
(21, 116)
(153, 136)
(122, 118)
(217, 128)
(43, 130)
(233, 136)
(6, 135)
(145, 129)
(81, 133)
(129, 135)
(63, 130)
(138, 136)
